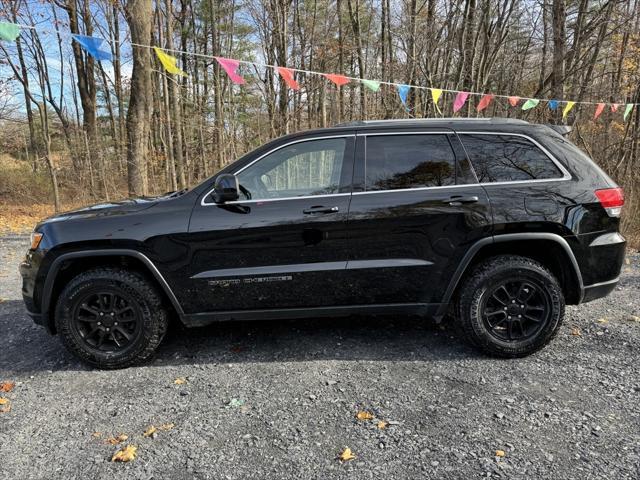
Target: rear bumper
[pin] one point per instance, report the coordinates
(598, 290)
(600, 263)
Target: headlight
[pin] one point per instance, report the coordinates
(36, 238)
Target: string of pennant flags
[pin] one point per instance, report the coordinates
(94, 47)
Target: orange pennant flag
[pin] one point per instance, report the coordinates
(287, 76)
(484, 102)
(513, 101)
(599, 110)
(339, 80)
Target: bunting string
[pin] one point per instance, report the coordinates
(9, 32)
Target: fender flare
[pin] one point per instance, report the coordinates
(57, 263)
(507, 237)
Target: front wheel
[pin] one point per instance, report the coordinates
(510, 306)
(110, 318)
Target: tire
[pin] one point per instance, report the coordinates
(110, 318)
(513, 321)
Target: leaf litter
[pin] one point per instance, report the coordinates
(125, 454)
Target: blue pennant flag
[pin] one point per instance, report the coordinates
(403, 91)
(553, 104)
(92, 47)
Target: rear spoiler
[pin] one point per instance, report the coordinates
(563, 130)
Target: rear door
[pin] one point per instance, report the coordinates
(415, 210)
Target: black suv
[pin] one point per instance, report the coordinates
(496, 222)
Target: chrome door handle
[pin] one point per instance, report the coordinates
(320, 209)
(459, 200)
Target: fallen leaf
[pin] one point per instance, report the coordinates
(116, 440)
(96, 434)
(500, 453)
(7, 386)
(166, 426)
(346, 455)
(180, 381)
(5, 405)
(603, 320)
(382, 424)
(3, 401)
(235, 403)
(633, 318)
(125, 454)
(363, 415)
(575, 332)
(150, 431)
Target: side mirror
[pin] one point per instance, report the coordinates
(226, 188)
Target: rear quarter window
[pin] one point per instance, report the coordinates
(507, 158)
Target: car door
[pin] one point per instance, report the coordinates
(283, 244)
(415, 210)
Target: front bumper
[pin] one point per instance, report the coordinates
(29, 270)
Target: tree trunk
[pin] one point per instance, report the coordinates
(559, 20)
(138, 13)
(174, 102)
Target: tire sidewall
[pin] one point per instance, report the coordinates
(481, 283)
(148, 304)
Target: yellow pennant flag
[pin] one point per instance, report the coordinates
(168, 62)
(566, 110)
(435, 95)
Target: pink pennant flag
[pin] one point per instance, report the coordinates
(484, 102)
(614, 107)
(339, 80)
(513, 101)
(460, 100)
(230, 66)
(287, 76)
(599, 109)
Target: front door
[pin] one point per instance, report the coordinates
(284, 243)
(416, 209)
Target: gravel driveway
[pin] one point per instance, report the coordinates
(279, 399)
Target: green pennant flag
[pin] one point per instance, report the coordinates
(531, 103)
(371, 85)
(9, 31)
(627, 110)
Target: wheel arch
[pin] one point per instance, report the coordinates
(550, 249)
(68, 265)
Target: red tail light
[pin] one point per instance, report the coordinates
(612, 199)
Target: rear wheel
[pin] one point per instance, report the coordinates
(510, 306)
(110, 318)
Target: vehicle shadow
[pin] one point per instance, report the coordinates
(25, 347)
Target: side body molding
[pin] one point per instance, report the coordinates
(507, 237)
(56, 264)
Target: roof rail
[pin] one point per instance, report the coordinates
(563, 130)
(363, 123)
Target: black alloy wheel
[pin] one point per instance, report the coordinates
(515, 310)
(107, 320)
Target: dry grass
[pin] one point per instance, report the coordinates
(21, 218)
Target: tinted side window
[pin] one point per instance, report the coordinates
(301, 169)
(409, 161)
(507, 158)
